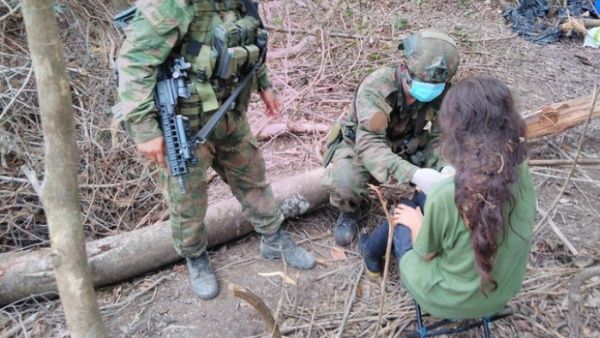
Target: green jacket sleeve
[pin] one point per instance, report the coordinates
(436, 218)
(371, 147)
(150, 36)
(262, 78)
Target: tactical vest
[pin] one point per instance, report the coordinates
(405, 133)
(221, 44)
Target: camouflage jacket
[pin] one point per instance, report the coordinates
(384, 126)
(158, 27)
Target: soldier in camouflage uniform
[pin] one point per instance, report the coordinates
(188, 27)
(390, 133)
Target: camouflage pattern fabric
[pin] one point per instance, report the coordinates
(158, 27)
(233, 152)
(381, 122)
(431, 55)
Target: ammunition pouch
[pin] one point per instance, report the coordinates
(332, 140)
(338, 133)
(220, 53)
(238, 45)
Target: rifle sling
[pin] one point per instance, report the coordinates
(203, 134)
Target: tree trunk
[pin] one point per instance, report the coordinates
(558, 117)
(132, 253)
(59, 191)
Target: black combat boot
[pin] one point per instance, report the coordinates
(203, 278)
(346, 228)
(280, 245)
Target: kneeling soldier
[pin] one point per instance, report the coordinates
(390, 133)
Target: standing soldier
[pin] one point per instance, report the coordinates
(390, 134)
(219, 38)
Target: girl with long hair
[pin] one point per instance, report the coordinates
(465, 256)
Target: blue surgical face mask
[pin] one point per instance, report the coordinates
(426, 92)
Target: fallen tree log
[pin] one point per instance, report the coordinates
(119, 257)
(558, 117)
(273, 129)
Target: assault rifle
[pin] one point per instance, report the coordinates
(175, 127)
(170, 86)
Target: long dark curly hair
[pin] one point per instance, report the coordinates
(483, 137)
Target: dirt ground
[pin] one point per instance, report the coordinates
(316, 85)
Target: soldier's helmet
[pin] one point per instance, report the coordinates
(432, 56)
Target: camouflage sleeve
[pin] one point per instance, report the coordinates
(371, 147)
(151, 35)
(262, 78)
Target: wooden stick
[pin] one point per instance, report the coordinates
(273, 129)
(575, 298)
(559, 233)
(388, 250)
(295, 49)
(332, 34)
(258, 305)
(350, 301)
(22, 326)
(560, 162)
(579, 145)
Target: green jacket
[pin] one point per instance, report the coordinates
(159, 27)
(382, 122)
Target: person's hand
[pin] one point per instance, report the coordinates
(411, 217)
(424, 178)
(272, 105)
(154, 150)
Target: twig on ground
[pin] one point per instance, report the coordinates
(271, 130)
(550, 163)
(350, 301)
(121, 305)
(21, 326)
(33, 180)
(312, 320)
(559, 233)
(295, 49)
(332, 34)
(579, 145)
(575, 298)
(258, 305)
(388, 250)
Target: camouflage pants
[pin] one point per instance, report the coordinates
(346, 178)
(233, 153)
